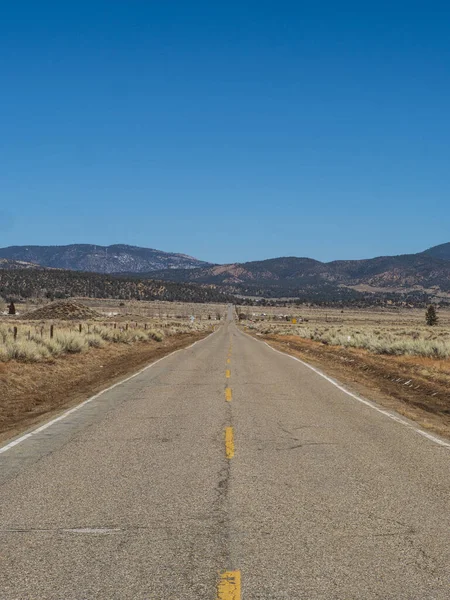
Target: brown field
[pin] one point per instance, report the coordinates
(390, 356)
(346, 316)
(135, 310)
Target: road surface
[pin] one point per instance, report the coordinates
(226, 470)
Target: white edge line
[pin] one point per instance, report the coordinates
(386, 413)
(24, 437)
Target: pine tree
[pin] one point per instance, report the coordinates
(431, 316)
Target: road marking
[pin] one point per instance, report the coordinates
(228, 361)
(229, 586)
(229, 442)
(78, 406)
(386, 413)
(228, 373)
(228, 394)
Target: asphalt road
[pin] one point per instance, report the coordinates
(228, 471)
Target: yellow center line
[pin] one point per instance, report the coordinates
(228, 361)
(229, 442)
(229, 586)
(228, 394)
(228, 373)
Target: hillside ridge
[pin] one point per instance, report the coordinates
(291, 276)
(117, 258)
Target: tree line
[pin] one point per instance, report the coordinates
(23, 284)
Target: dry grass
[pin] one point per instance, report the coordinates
(34, 344)
(433, 342)
(396, 332)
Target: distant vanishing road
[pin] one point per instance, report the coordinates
(225, 471)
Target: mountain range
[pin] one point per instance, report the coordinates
(118, 258)
(427, 271)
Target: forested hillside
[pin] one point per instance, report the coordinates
(16, 284)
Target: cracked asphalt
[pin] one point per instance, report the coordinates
(132, 496)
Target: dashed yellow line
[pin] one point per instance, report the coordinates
(228, 373)
(229, 586)
(229, 442)
(228, 394)
(228, 361)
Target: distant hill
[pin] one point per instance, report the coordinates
(5, 263)
(20, 284)
(118, 258)
(291, 276)
(442, 251)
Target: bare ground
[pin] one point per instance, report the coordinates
(32, 392)
(416, 387)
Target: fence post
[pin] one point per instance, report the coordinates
(15, 333)
(80, 328)
(126, 326)
(51, 331)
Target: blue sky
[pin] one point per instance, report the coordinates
(231, 131)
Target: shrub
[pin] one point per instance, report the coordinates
(431, 317)
(71, 342)
(25, 350)
(94, 340)
(158, 336)
(3, 354)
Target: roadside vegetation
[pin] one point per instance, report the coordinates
(420, 341)
(33, 343)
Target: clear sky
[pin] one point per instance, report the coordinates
(231, 131)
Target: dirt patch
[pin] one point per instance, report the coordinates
(62, 310)
(33, 392)
(416, 387)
